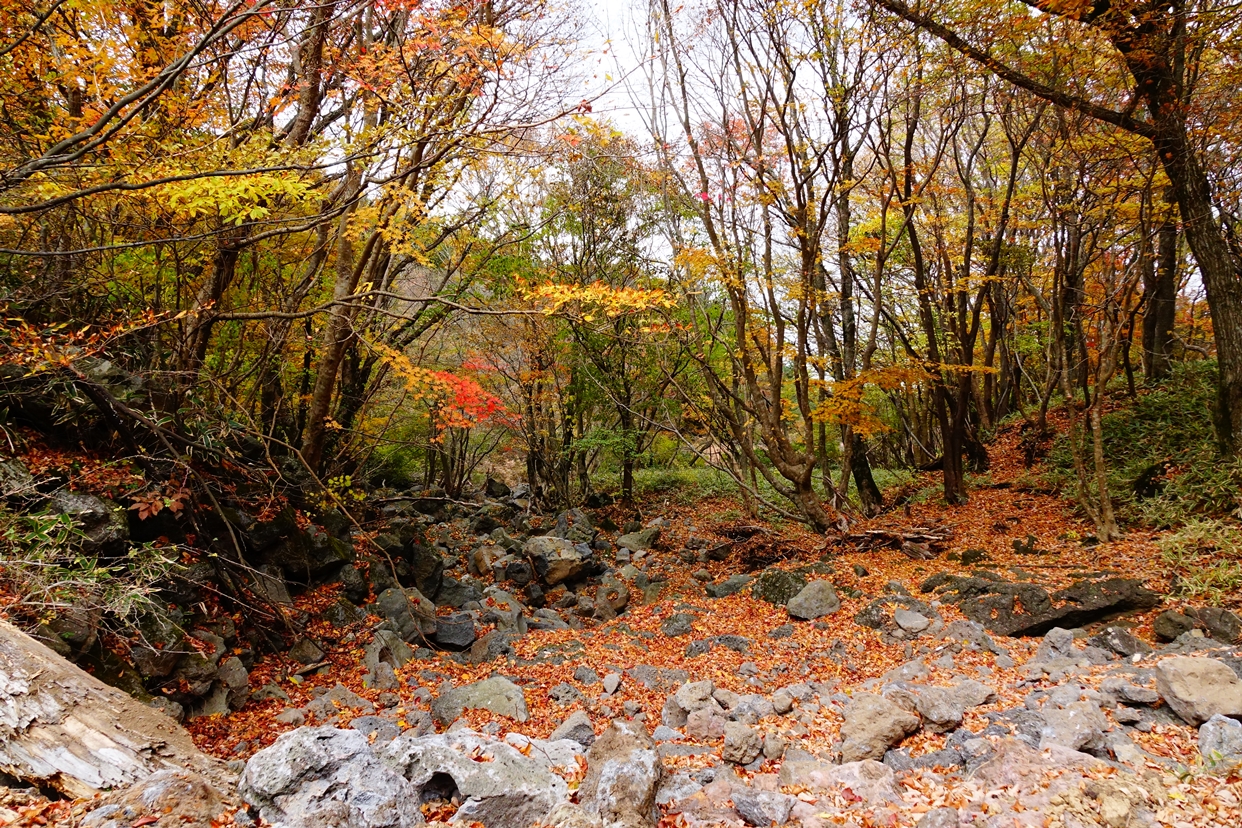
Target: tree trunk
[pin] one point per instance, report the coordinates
(1161, 310)
(869, 494)
(1219, 260)
(336, 337)
(64, 729)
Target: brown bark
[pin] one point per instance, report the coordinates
(310, 91)
(336, 336)
(1161, 295)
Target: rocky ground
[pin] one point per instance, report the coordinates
(988, 665)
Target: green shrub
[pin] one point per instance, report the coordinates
(397, 466)
(1204, 558)
(45, 566)
(1164, 468)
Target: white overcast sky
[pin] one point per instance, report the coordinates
(614, 36)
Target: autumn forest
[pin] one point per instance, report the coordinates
(865, 275)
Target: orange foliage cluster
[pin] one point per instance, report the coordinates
(84, 469)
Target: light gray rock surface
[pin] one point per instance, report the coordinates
(1198, 688)
(322, 777)
(872, 725)
(495, 694)
(762, 808)
(498, 785)
(742, 744)
(911, 622)
(623, 774)
(1220, 738)
(815, 600)
(1077, 726)
(576, 728)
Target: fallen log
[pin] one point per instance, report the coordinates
(63, 729)
(919, 543)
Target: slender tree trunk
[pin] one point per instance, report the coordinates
(1155, 60)
(336, 337)
(1161, 290)
(310, 59)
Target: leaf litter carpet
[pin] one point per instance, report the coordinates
(834, 652)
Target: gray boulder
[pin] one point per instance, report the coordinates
(623, 774)
(1169, 624)
(872, 725)
(689, 698)
(1058, 643)
(327, 778)
(555, 560)
(15, 478)
(575, 526)
(456, 631)
(235, 681)
(577, 728)
(762, 808)
(1117, 688)
(174, 796)
(679, 623)
(942, 708)
(1198, 688)
(1220, 739)
(162, 643)
(1077, 726)
(560, 756)
(751, 708)
(306, 651)
(496, 784)
(408, 613)
(339, 697)
(1026, 609)
(496, 694)
(742, 744)
(777, 586)
(103, 524)
(505, 611)
(386, 647)
(815, 600)
(377, 729)
(1219, 623)
(911, 622)
(1120, 641)
(729, 586)
(454, 593)
(425, 566)
(641, 540)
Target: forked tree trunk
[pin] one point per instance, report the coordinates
(61, 728)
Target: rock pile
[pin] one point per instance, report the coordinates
(323, 777)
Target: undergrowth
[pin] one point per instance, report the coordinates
(1205, 559)
(1164, 467)
(44, 566)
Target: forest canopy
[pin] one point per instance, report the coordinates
(356, 244)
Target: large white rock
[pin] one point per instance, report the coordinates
(321, 777)
(1198, 688)
(498, 785)
(623, 775)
